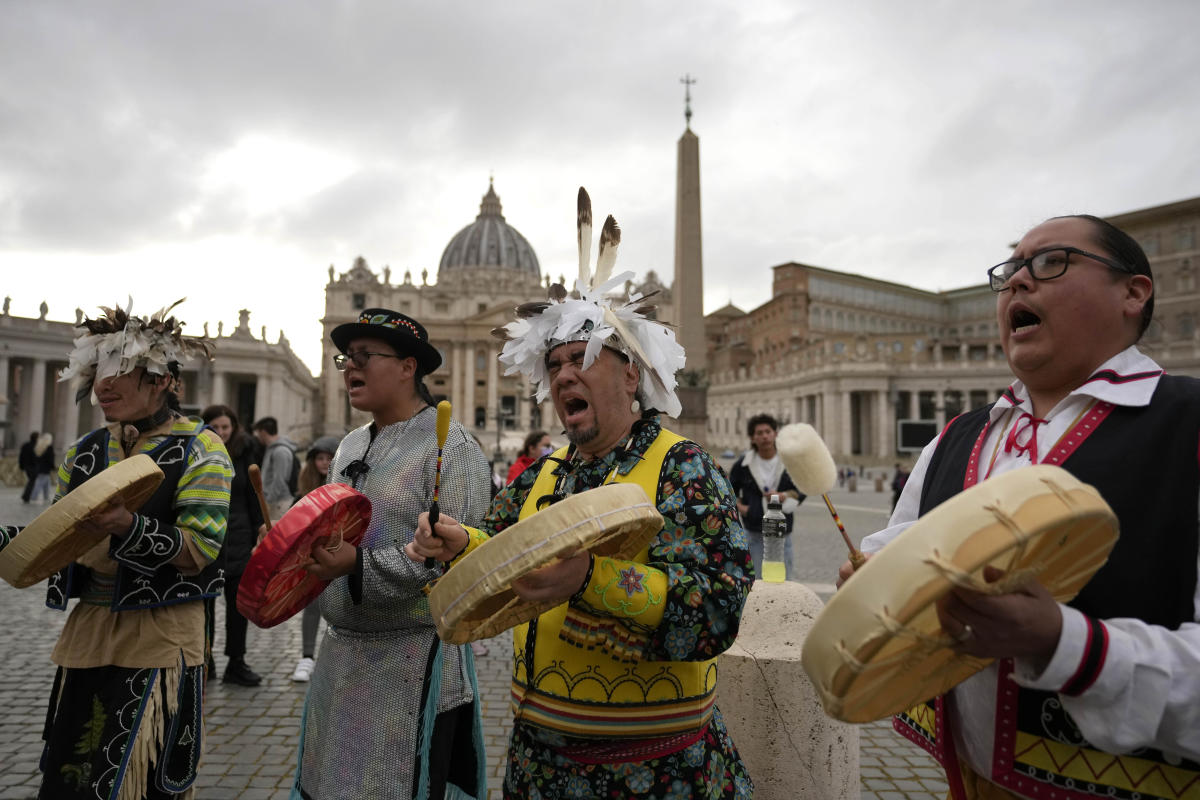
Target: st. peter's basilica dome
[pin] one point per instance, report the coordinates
(489, 241)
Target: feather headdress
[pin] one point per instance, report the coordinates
(118, 342)
(590, 315)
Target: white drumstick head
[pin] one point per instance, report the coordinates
(806, 458)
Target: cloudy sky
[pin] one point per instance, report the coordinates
(231, 150)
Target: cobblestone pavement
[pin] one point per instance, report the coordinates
(252, 733)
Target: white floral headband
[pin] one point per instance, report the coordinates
(591, 317)
(118, 342)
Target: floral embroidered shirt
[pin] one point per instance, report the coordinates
(700, 557)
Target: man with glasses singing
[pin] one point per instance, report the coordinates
(1101, 696)
(391, 712)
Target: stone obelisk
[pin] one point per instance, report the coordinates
(688, 288)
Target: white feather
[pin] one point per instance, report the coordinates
(806, 458)
(610, 237)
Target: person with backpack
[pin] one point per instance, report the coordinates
(280, 467)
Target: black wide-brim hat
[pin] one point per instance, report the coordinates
(402, 332)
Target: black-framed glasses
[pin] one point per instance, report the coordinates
(1045, 265)
(358, 359)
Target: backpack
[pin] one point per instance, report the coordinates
(293, 481)
(294, 475)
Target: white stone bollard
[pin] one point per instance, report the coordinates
(790, 747)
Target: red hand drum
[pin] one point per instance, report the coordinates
(275, 586)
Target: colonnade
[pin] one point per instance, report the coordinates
(855, 421)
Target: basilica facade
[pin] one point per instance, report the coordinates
(487, 269)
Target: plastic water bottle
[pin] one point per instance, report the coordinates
(774, 528)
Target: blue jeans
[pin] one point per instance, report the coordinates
(756, 552)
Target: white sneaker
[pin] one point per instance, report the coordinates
(304, 670)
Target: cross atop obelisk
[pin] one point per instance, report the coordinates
(687, 81)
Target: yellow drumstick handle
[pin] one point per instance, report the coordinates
(443, 423)
(443, 430)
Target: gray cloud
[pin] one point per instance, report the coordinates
(909, 142)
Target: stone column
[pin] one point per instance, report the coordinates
(469, 388)
(67, 414)
(939, 403)
(525, 405)
(264, 399)
(219, 388)
(36, 386)
(824, 424)
(493, 390)
(457, 387)
(7, 438)
(886, 445)
(844, 438)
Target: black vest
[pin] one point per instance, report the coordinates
(1144, 463)
(135, 589)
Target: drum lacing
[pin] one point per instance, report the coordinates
(929, 643)
(853, 663)
(333, 544)
(898, 628)
(1059, 492)
(1007, 583)
(597, 521)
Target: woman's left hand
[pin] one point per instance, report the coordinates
(329, 565)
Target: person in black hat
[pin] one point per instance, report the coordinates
(382, 679)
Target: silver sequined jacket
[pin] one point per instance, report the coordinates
(364, 702)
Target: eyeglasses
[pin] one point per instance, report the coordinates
(358, 359)
(1045, 265)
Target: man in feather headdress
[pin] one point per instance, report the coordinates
(646, 624)
(136, 639)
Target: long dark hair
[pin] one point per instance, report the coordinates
(236, 440)
(1125, 249)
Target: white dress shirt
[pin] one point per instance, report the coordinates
(1148, 691)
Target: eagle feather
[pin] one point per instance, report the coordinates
(585, 237)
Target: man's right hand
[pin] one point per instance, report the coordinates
(451, 539)
(847, 569)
